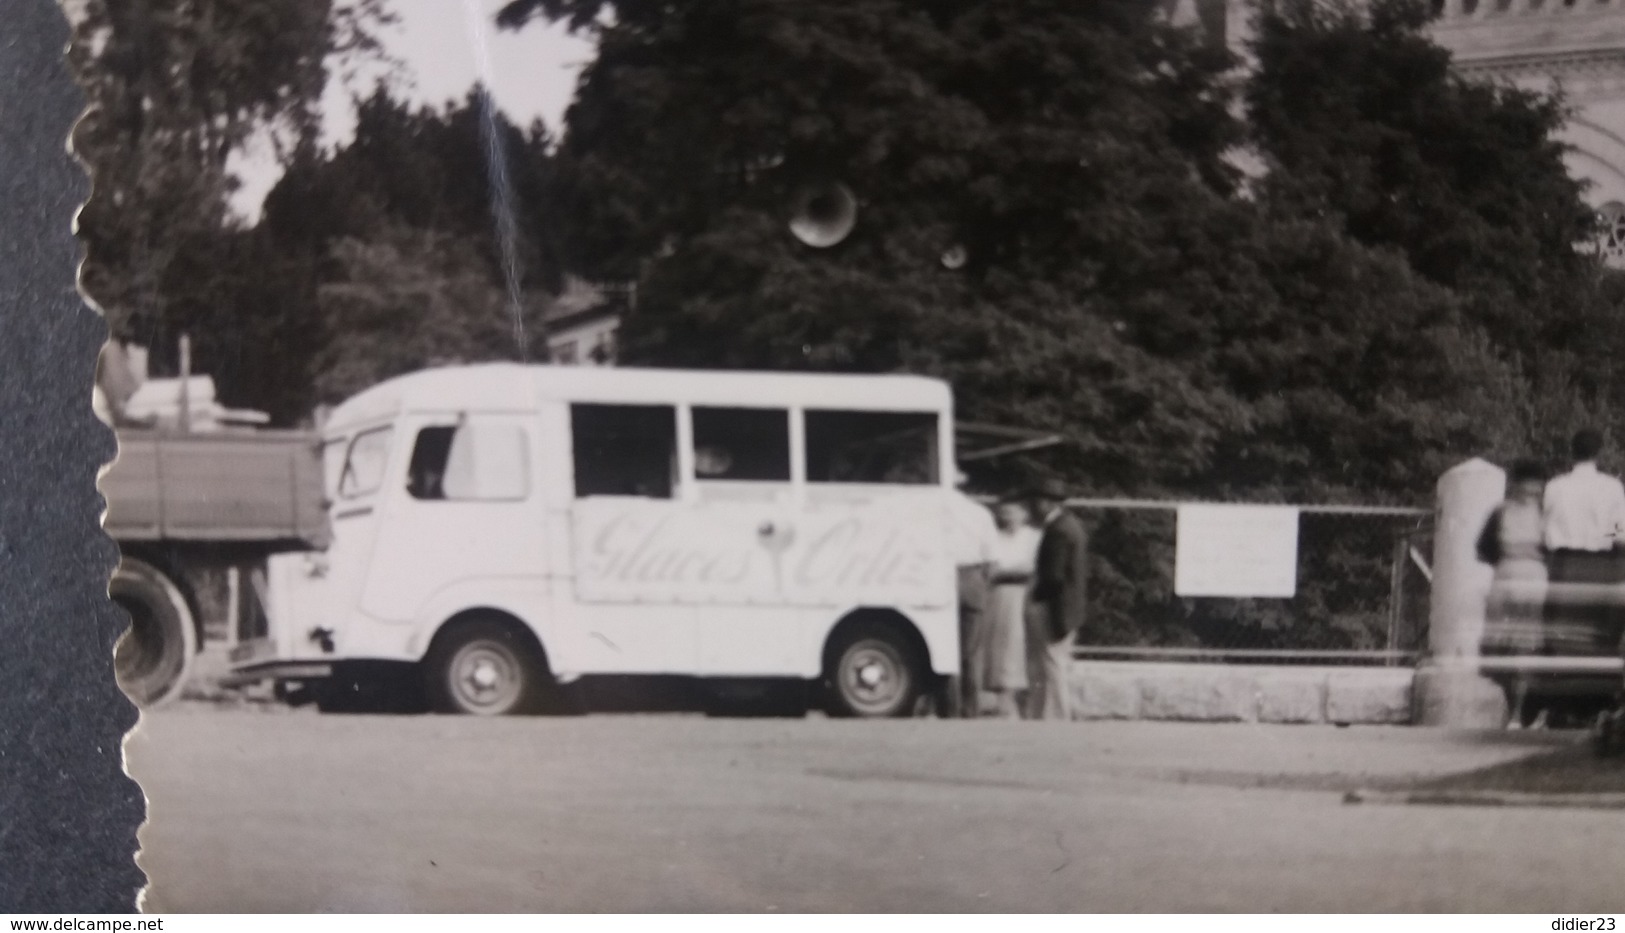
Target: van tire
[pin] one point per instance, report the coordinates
(153, 657)
(484, 666)
(874, 672)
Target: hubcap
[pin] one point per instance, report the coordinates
(873, 677)
(485, 678)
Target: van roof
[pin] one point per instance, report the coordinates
(515, 387)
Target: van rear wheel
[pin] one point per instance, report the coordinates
(483, 667)
(874, 674)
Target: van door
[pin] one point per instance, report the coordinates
(465, 511)
(356, 466)
(745, 502)
(628, 543)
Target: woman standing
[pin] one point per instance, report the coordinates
(1014, 558)
(1513, 542)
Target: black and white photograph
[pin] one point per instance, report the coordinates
(953, 456)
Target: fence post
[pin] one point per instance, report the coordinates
(1449, 690)
(1396, 597)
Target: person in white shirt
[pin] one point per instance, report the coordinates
(974, 539)
(1584, 519)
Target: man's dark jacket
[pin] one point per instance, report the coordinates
(1060, 586)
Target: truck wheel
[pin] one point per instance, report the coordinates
(874, 674)
(483, 667)
(154, 656)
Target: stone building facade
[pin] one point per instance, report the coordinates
(1575, 45)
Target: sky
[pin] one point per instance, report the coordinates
(442, 48)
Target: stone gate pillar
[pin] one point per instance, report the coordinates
(1449, 689)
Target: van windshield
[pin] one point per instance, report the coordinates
(364, 464)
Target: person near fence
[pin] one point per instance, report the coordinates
(1057, 607)
(1584, 518)
(974, 539)
(1014, 558)
(1513, 542)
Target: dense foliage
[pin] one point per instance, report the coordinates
(1189, 339)
(1360, 119)
(174, 89)
(407, 266)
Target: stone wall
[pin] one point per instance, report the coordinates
(1241, 693)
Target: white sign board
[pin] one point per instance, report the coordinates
(1236, 551)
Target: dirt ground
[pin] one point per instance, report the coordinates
(293, 811)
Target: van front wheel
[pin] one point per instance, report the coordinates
(483, 668)
(874, 675)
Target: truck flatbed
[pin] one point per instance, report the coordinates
(260, 486)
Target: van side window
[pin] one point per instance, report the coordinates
(472, 462)
(872, 447)
(624, 450)
(425, 476)
(364, 463)
(742, 444)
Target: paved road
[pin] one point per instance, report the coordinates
(291, 811)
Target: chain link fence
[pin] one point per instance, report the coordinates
(1362, 591)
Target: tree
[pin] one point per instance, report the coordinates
(1118, 290)
(1360, 119)
(174, 89)
(426, 168)
(407, 199)
(405, 299)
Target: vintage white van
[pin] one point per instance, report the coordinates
(508, 535)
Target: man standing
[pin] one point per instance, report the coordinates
(1058, 606)
(974, 538)
(1584, 518)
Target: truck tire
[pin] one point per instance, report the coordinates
(874, 673)
(483, 666)
(154, 655)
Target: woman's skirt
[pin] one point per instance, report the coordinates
(1514, 622)
(1007, 648)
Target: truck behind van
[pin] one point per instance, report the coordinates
(508, 539)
